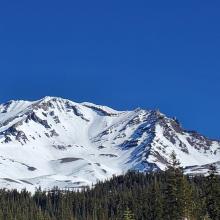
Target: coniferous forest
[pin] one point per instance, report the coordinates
(168, 195)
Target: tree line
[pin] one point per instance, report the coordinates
(168, 195)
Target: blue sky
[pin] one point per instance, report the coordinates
(124, 54)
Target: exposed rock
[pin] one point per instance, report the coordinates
(100, 111)
(108, 155)
(69, 159)
(53, 133)
(36, 119)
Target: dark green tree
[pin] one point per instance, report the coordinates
(155, 201)
(178, 193)
(213, 193)
(128, 215)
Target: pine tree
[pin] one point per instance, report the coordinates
(188, 202)
(155, 201)
(213, 194)
(128, 215)
(178, 194)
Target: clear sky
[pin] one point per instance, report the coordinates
(124, 54)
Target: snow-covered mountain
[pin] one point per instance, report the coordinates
(57, 142)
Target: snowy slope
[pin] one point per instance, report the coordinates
(57, 142)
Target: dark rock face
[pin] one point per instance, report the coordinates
(171, 129)
(61, 147)
(101, 111)
(7, 139)
(52, 113)
(101, 147)
(160, 158)
(98, 164)
(21, 137)
(201, 169)
(199, 141)
(76, 111)
(56, 119)
(69, 159)
(36, 119)
(31, 168)
(104, 171)
(129, 144)
(176, 126)
(43, 105)
(108, 155)
(53, 133)
(12, 131)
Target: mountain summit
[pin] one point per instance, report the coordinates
(57, 142)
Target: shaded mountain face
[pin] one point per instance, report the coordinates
(57, 142)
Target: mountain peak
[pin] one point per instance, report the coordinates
(53, 99)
